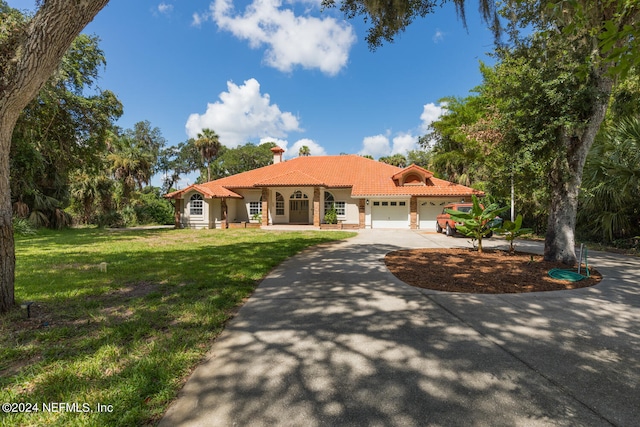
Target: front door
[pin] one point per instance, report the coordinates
(299, 211)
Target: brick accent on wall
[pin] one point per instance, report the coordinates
(316, 206)
(361, 213)
(413, 212)
(265, 207)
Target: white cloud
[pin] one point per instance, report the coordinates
(198, 19)
(315, 148)
(241, 114)
(380, 145)
(438, 36)
(430, 113)
(375, 146)
(289, 153)
(291, 40)
(404, 143)
(282, 143)
(165, 8)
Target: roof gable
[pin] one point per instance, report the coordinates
(412, 175)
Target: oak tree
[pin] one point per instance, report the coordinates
(597, 41)
(30, 52)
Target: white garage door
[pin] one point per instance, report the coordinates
(428, 209)
(390, 214)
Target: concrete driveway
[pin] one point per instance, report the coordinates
(331, 338)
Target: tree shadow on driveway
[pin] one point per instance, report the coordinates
(332, 338)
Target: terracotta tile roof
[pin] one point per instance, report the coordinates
(366, 177)
(292, 178)
(413, 168)
(209, 190)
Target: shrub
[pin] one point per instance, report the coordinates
(111, 219)
(478, 222)
(129, 217)
(22, 227)
(511, 230)
(331, 216)
(151, 208)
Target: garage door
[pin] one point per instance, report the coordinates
(390, 214)
(428, 210)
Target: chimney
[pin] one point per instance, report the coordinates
(277, 154)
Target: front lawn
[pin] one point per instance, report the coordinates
(125, 338)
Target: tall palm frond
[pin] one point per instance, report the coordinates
(208, 143)
(610, 200)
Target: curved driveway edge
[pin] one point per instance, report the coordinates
(331, 338)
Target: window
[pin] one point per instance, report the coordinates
(376, 203)
(255, 208)
(196, 205)
(385, 203)
(402, 203)
(298, 195)
(279, 204)
(394, 203)
(328, 201)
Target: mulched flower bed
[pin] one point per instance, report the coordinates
(491, 272)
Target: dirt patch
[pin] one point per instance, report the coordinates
(135, 290)
(492, 272)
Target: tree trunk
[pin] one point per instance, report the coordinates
(44, 42)
(559, 243)
(566, 178)
(7, 251)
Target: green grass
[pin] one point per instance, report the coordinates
(130, 336)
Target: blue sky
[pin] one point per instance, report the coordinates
(283, 71)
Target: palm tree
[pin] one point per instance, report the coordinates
(208, 143)
(130, 165)
(304, 151)
(396, 160)
(610, 200)
(84, 190)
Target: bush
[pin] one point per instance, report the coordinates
(110, 219)
(22, 227)
(513, 230)
(151, 208)
(331, 216)
(478, 222)
(129, 217)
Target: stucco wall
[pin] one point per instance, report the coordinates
(195, 221)
(238, 209)
(351, 205)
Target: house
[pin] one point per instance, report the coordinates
(364, 192)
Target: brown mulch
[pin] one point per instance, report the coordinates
(492, 272)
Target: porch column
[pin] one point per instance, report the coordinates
(316, 206)
(223, 213)
(265, 207)
(361, 213)
(413, 208)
